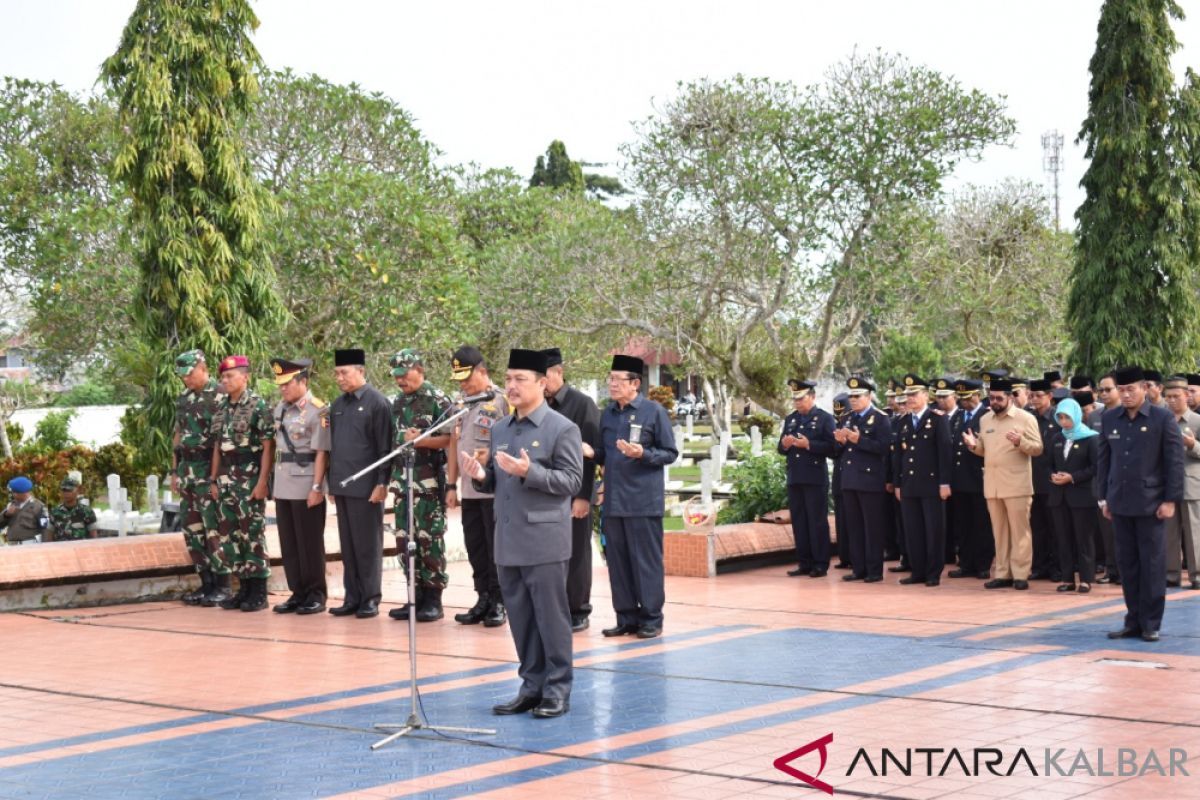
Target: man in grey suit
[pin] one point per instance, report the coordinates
(1183, 529)
(534, 467)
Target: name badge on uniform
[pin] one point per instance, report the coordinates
(536, 442)
(503, 446)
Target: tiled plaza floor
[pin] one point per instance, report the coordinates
(165, 701)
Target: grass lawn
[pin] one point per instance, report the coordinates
(686, 474)
(672, 523)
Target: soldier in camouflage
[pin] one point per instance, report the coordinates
(191, 461)
(244, 439)
(71, 519)
(415, 409)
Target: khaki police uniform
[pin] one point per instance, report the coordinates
(302, 429)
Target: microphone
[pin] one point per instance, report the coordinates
(476, 398)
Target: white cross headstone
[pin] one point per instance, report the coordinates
(706, 480)
(118, 500)
(755, 441)
(679, 444)
(716, 462)
(689, 426)
(152, 493)
(726, 443)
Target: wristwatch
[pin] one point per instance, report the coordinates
(316, 487)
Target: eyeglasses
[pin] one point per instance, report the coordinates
(618, 379)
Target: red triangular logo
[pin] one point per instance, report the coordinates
(783, 763)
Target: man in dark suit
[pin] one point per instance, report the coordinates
(1041, 522)
(580, 409)
(967, 506)
(534, 468)
(921, 466)
(1140, 479)
(840, 534)
(806, 442)
(360, 433)
(863, 441)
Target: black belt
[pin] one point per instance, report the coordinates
(303, 459)
(194, 454)
(241, 458)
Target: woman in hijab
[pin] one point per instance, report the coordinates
(1072, 499)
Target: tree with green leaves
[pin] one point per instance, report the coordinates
(556, 170)
(184, 76)
(1133, 295)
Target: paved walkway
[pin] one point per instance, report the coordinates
(164, 701)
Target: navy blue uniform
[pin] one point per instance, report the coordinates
(808, 486)
(865, 499)
(921, 465)
(967, 507)
(633, 508)
(1140, 466)
(840, 533)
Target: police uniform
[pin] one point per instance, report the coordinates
(863, 478)
(474, 432)
(301, 433)
(74, 521)
(893, 542)
(421, 409)
(1140, 467)
(840, 534)
(360, 433)
(24, 523)
(242, 429)
(193, 449)
(634, 503)
(942, 389)
(533, 544)
(580, 409)
(967, 506)
(921, 466)
(808, 482)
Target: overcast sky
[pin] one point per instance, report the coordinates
(495, 82)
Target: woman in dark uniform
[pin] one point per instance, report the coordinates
(1072, 499)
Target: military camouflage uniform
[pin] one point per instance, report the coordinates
(419, 410)
(72, 523)
(193, 463)
(239, 544)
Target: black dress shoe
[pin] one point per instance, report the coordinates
(818, 573)
(1196, 583)
(998, 583)
(852, 577)
(1037, 575)
(934, 582)
(519, 705)
(1173, 584)
(620, 630)
(873, 579)
(1150, 636)
(1114, 579)
(841, 565)
(900, 568)
(1084, 588)
(579, 622)
(959, 573)
(1066, 587)
(551, 707)
(287, 606)
(1020, 585)
(797, 572)
(311, 607)
(1124, 633)
(649, 632)
(910, 580)
(367, 610)
(343, 610)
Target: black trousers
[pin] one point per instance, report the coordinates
(1108, 536)
(579, 568)
(1142, 558)
(839, 526)
(479, 536)
(810, 524)
(973, 524)
(896, 513)
(635, 569)
(302, 542)
(1041, 525)
(1075, 530)
(953, 537)
(865, 515)
(925, 535)
(360, 532)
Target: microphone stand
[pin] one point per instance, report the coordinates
(415, 721)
